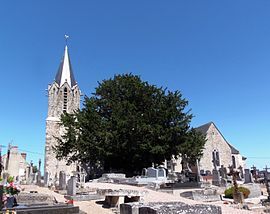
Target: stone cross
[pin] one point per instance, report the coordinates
(241, 172)
(254, 173)
(237, 195)
(39, 164)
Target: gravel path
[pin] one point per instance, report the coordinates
(152, 196)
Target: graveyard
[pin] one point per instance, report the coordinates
(152, 192)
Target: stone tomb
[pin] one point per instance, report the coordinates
(168, 208)
(113, 198)
(42, 209)
(255, 190)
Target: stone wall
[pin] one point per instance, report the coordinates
(17, 165)
(215, 141)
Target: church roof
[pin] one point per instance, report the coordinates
(204, 128)
(65, 73)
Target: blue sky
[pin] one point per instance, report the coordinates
(217, 53)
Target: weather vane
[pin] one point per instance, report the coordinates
(66, 37)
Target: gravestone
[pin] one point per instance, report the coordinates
(161, 173)
(71, 188)
(248, 176)
(39, 178)
(216, 178)
(144, 172)
(152, 172)
(62, 180)
(223, 172)
(46, 179)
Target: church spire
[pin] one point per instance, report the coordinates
(65, 73)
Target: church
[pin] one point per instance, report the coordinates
(217, 152)
(63, 96)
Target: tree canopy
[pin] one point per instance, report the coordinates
(128, 124)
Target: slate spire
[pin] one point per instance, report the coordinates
(65, 73)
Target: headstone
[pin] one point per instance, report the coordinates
(62, 180)
(71, 189)
(27, 173)
(39, 178)
(161, 173)
(248, 176)
(216, 178)
(223, 172)
(46, 179)
(144, 172)
(152, 172)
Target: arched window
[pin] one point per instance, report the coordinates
(215, 158)
(233, 162)
(65, 100)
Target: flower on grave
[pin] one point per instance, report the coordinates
(10, 188)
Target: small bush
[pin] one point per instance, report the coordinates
(229, 192)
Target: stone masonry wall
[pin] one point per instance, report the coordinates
(215, 141)
(53, 129)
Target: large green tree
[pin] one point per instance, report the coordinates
(128, 124)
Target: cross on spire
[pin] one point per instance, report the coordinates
(66, 38)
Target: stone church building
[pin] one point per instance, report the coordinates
(219, 149)
(216, 149)
(63, 96)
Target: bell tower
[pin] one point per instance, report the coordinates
(63, 96)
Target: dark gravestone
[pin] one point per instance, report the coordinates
(248, 176)
(62, 180)
(161, 173)
(152, 172)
